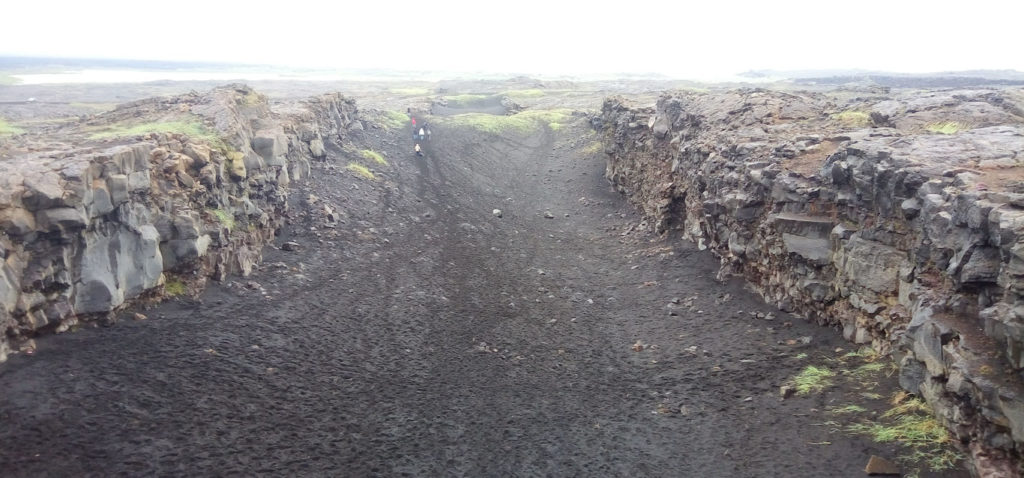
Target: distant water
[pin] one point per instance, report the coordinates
(97, 75)
(143, 76)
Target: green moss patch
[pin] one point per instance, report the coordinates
(225, 218)
(947, 127)
(392, 120)
(7, 129)
(517, 95)
(361, 170)
(8, 80)
(174, 287)
(521, 123)
(853, 118)
(465, 101)
(410, 91)
(373, 156)
(192, 129)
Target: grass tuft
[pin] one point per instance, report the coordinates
(361, 170)
(868, 369)
(9, 129)
(866, 353)
(813, 379)
(910, 424)
(373, 156)
(924, 442)
(947, 127)
(848, 409)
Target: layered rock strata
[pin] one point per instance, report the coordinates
(899, 219)
(95, 215)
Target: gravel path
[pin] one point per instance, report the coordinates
(424, 336)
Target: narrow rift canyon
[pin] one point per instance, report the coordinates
(568, 281)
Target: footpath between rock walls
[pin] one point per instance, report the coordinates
(95, 215)
(899, 220)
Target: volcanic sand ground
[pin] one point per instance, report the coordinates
(424, 336)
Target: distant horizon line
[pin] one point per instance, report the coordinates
(779, 73)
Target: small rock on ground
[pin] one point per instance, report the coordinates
(880, 466)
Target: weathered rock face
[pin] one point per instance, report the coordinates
(909, 240)
(84, 230)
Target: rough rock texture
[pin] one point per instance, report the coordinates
(85, 229)
(856, 213)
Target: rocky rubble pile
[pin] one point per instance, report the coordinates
(897, 218)
(86, 228)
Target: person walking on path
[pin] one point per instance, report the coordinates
(419, 152)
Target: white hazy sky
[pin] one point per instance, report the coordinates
(679, 38)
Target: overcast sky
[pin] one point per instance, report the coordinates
(678, 38)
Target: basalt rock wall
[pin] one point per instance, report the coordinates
(896, 218)
(90, 220)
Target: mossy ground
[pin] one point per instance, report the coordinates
(467, 100)
(390, 119)
(191, 128)
(518, 95)
(947, 127)
(410, 91)
(7, 129)
(8, 80)
(97, 107)
(521, 123)
(853, 118)
(174, 287)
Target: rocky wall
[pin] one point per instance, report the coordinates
(897, 218)
(89, 222)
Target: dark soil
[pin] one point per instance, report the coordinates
(424, 336)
